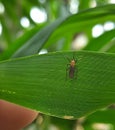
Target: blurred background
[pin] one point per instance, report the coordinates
(18, 17)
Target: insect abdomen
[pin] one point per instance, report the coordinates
(71, 72)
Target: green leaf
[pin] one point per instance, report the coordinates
(97, 44)
(39, 82)
(83, 22)
(112, 49)
(25, 38)
(84, 4)
(80, 22)
(34, 45)
(103, 116)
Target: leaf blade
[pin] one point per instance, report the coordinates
(39, 82)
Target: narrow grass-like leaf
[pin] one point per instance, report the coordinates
(66, 27)
(105, 117)
(39, 82)
(37, 41)
(25, 38)
(97, 44)
(83, 21)
(111, 46)
(112, 49)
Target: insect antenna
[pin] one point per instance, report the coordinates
(66, 58)
(74, 58)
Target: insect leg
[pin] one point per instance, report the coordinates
(76, 72)
(68, 66)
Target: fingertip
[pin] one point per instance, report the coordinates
(15, 117)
